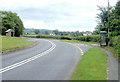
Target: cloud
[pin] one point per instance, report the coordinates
(32, 23)
(56, 14)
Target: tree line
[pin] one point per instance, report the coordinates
(57, 32)
(10, 20)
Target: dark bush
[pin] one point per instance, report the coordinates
(67, 38)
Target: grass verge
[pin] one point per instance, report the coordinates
(92, 66)
(31, 35)
(10, 43)
(111, 49)
(77, 41)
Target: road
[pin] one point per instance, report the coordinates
(48, 60)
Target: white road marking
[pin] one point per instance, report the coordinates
(82, 44)
(29, 59)
(78, 48)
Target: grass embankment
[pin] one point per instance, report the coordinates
(76, 41)
(92, 66)
(34, 35)
(115, 46)
(10, 43)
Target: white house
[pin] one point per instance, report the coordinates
(52, 34)
(87, 34)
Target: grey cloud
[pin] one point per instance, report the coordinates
(46, 14)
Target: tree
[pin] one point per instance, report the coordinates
(56, 32)
(113, 24)
(2, 30)
(36, 31)
(96, 32)
(103, 19)
(115, 20)
(11, 20)
(46, 32)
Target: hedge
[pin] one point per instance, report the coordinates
(115, 43)
(92, 38)
(54, 37)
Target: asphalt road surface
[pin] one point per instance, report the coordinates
(48, 60)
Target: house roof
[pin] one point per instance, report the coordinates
(10, 30)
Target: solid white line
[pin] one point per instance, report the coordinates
(29, 59)
(78, 48)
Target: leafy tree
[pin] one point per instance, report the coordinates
(96, 32)
(56, 32)
(2, 30)
(36, 31)
(115, 20)
(11, 20)
(46, 32)
(102, 19)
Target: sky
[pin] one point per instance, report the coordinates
(64, 15)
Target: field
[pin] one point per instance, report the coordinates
(92, 66)
(9, 43)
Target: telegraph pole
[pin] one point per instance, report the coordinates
(108, 16)
(108, 22)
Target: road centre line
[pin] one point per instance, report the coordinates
(28, 59)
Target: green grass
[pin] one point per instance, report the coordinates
(111, 49)
(9, 43)
(92, 66)
(77, 41)
(31, 35)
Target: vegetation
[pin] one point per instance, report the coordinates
(55, 32)
(110, 21)
(31, 35)
(92, 66)
(9, 43)
(115, 43)
(11, 21)
(36, 31)
(92, 38)
(76, 41)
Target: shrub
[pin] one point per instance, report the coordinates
(67, 38)
(92, 38)
(115, 43)
(54, 37)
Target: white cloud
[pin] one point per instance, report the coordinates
(34, 24)
(56, 14)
